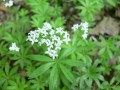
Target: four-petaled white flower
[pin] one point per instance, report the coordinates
(51, 53)
(47, 26)
(75, 27)
(66, 40)
(84, 26)
(42, 41)
(57, 46)
(13, 47)
(49, 43)
(54, 38)
(44, 32)
(86, 30)
(52, 32)
(59, 42)
(9, 4)
(59, 30)
(33, 36)
(66, 37)
(84, 35)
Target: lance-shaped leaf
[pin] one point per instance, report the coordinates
(67, 73)
(73, 63)
(66, 52)
(41, 70)
(39, 58)
(54, 78)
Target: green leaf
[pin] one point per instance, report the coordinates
(110, 53)
(41, 58)
(89, 82)
(116, 87)
(117, 67)
(97, 82)
(82, 2)
(66, 52)
(13, 71)
(102, 51)
(11, 88)
(40, 70)
(67, 73)
(112, 2)
(74, 40)
(7, 68)
(101, 77)
(54, 78)
(112, 80)
(73, 63)
(64, 80)
(8, 37)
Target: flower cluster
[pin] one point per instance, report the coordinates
(13, 47)
(51, 38)
(9, 4)
(83, 26)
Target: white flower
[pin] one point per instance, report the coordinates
(58, 39)
(84, 26)
(57, 46)
(84, 35)
(59, 30)
(42, 41)
(44, 32)
(39, 30)
(75, 27)
(14, 47)
(47, 26)
(9, 4)
(60, 42)
(66, 37)
(51, 53)
(66, 34)
(66, 40)
(86, 30)
(49, 43)
(54, 37)
(33, 36)
(52, 32)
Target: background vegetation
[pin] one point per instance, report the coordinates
(82, 64)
